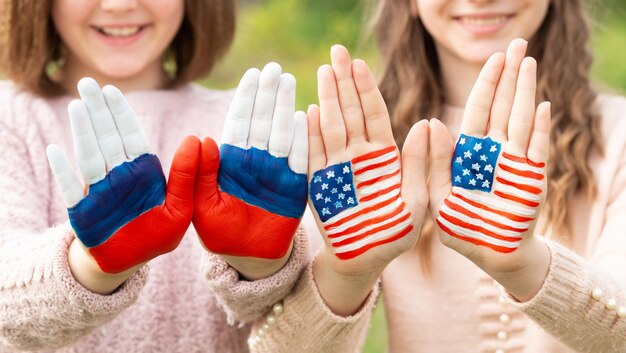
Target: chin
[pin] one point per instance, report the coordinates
(478, 52)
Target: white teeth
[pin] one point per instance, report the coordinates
(119, 31)
(483, 21)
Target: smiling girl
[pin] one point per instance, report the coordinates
(505, 274)
(64, 288)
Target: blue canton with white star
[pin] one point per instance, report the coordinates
(474, 162)
(332, 190)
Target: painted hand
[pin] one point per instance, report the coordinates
(251, 195)
(128, 214)
(487, 193)
(370, 206)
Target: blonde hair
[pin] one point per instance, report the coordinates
(412, 87)
(30, 42)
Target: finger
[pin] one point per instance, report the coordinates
(331, 121)
(261, 123)
(476, 115)
(71, 188)
(441, 152)
(299, 154)
(88, 155)
(317, 154)
(539, 147)
(237, 125)
(348, 96)
(134, 139)
(414, 166)
(109, 139)
(180, 184)
(523, 111)
(505, 93)
(281, 135)
(206, 180)
(377, 120)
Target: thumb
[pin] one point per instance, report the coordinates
(414, 167)
(441, 152)
(179, 195)
(206, 182)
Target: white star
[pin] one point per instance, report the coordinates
(462, 141)
(317, 179)
(466, 172)
(457, 179)
(347, 187)
(338, 204)
(459, 160)
(486, 183)
(330, 174)
(339, 180)
(327, 200)
(324, 186)
(350, 201)
(341, 196)
(478, 147)
(467, 154)
(318, 196)
(476, 166)
(472, 182)
(489, 168)
(493, 148)
(346, 169)
(479, 176)
(325, 211)
(333, 191)
(483, 158)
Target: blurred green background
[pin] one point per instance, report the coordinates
(298, 35)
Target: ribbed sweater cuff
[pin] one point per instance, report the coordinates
(308, 325)
(245, 301)
(97, 304)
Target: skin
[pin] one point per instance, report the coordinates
(462, 48)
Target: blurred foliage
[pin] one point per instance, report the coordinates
(298, 35)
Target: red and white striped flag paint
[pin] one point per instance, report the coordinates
(359, 202)
(497, 217)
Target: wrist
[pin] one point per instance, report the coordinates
(343, 292)
(87, 272)
(252, 268)
(525, 281)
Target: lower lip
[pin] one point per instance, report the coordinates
(120, 41)
(483, 29)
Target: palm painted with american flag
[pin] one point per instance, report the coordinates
(486, 200)
(367, 209)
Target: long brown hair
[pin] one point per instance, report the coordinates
(412, 87)
(29, 43)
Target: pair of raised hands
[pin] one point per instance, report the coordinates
(245, 199)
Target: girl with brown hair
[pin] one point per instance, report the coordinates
(505, 275)
(83, 285)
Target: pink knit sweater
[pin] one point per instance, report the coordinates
(180, 302)
(458, 308)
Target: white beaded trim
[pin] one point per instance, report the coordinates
(610, 304)
(270, 320)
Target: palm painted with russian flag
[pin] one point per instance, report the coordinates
(487, 198)
(251, 193)
(129, 214)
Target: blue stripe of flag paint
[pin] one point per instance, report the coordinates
(128, 190)
(332, 190)
(474, 162)
(260, 179)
